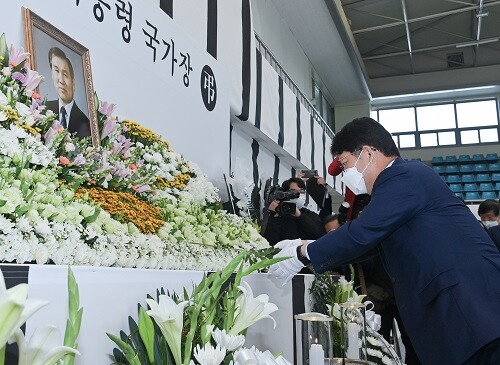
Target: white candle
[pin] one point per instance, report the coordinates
(316, 354)
(352, 340)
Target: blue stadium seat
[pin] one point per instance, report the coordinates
(486, 187)
(472, 195)
(439, 169)
(478, 157)
(454, 179)
(470, 187)
(497, 186)
(495, 176)
(483, 177)
(450, 159)
(494, 166)
(480, 167)
(460, 195)
(466, 168)
(437, 159)
(464, 158)
(456, 188)
(450, 169)
(492, 156)
(488, 195)
(468, 178)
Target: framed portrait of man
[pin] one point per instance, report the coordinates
(67, 84)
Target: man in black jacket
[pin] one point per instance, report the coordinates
(303, 223)
(63, 76)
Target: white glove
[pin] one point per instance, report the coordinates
(288, 243)
(287, 269)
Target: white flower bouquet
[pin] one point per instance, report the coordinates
(131, 201)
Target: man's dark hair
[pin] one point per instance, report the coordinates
(361, 132)
(330, 218)
(489, 205)
(300, 183)
(57, 52)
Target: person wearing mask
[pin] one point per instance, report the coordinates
(444, 267)
(489, 212)
(301, 223)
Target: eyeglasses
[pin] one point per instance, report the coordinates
(341, 158)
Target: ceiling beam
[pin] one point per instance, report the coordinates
(408, 38)
(427, 49)
(427, 17)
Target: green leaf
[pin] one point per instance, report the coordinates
(2, 202)
(4, 51)
(128, 351)
(147, 333)
(136, 340)
(75, 317)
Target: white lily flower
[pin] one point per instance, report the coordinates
(43, 348)
(230, 342)
(208, 355)
(15, 309)
(250, 310)
(169, 317)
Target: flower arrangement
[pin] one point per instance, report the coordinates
(130, 202)
(206, 327)
(328, 292)
(42, 348)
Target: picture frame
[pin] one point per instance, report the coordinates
(62, 72)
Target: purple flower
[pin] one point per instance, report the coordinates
(106, 108)
(109, 126)
(141, 188)
(120, 172)
(79, 160)
(17, 55)
(18, 76)
(49, 135)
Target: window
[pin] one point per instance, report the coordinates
(449, 124)
(397, 120)
(322, 106)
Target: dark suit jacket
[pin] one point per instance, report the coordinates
(494, 233)
(444, 267)
(79, 124)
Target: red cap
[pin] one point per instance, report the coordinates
(334, 168)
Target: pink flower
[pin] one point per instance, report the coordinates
(133, 167)
(63, 160)
(106, 108)
(32, 80)
(16, 56)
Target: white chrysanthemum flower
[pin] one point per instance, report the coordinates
(208, 355)
(230, 342)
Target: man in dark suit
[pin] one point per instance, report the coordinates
(444, 267)
(70, 115)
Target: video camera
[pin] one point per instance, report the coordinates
(285, 207)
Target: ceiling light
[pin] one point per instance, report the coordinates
(476, 43)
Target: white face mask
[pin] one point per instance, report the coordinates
(300, 201)
(354, 179)
(489, 224)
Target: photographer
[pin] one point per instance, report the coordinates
(291, 221)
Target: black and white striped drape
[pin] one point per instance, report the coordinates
(258, 95)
